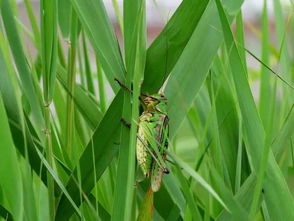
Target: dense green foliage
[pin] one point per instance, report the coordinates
(66, 155)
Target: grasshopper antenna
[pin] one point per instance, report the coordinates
(122, 85)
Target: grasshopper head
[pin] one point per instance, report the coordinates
(153, 102)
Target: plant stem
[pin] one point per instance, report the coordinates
(49, 60)
(49, 156)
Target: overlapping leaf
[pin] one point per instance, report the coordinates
(274, 182)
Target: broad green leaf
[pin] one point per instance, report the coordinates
(282, 40)
(227, 118)
(166, 49)
(11, 181)
(87, 106)
(64, 12)
(227, 170)
(197, 177)
(29, 199)
(89, 78)
(5, 214)
(105, 141)
(8, 89)
(243, 197)
(265, 82)
(95, 21)
(174, 191)
(187, 192)
(58, 181)
(33, 23)
(6, 83)
(241, 36)
(284, 135)
(21, 64)
(103, 214)
(135, 33)
(101, 86)
(48, 12)
(236, 211)
(193, 65)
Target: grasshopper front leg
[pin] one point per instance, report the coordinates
(127, 124)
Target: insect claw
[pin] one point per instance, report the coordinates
(165, 170)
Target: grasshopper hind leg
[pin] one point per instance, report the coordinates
(156, 179)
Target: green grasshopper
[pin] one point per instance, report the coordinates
(152, 137)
